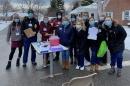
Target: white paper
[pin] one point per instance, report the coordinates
(92, 33)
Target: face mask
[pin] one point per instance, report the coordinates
(16, 20)
(73, 19)
(101, 18)
(108, 23)
(30, 15)
(65, 23)
(45, 20)
(78, 26)
(92, 23)
(85, 17)
(59, 16)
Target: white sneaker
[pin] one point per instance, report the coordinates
(77, 67)
(86, 63)
(82, 68)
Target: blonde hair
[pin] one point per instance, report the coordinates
(81, 22)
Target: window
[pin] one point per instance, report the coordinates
(126, 15)
(109, 14)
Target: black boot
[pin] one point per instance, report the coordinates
(18, 62)
(8, 65)
(34, 63)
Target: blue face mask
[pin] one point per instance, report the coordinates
(108, 23)
(85, 17)
(66, 23)
(30, 15)
(92, 23)
(45, 21)
(73, 19)
(16, 20)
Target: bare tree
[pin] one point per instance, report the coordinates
(6, 7)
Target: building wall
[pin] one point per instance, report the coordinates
(117, 7)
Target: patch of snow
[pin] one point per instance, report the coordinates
(127, 41)
(4, 25)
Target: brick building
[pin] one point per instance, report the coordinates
(118, 9)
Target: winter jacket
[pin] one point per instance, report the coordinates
(14, 33)
(80, 41)
(65, 34)
(116, 38)
(45, 29)
(34, 22)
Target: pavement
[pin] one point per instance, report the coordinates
(31, 77)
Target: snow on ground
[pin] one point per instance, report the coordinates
(127, 41)
(4, 25)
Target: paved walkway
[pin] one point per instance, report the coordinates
(31, 77)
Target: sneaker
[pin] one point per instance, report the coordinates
(119, 73)
(24, 65)
(8, 65)
(18, 62)
(34, 63)
(82, 68)
(77, 67)
(112, 71)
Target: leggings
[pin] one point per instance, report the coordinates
(13, 51)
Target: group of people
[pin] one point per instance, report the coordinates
(81, 35)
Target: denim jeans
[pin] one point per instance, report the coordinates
(27, 44)
(80, 58)
(117, 58)
(94, 58)
(65, 55)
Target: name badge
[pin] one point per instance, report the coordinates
(17, 34)
(30, 25)
(44, 29)
(58, 22)
(60, 28)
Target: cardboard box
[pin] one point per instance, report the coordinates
(29, 32)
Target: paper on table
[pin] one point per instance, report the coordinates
(43, 48)
(56, 48)
(92, 33)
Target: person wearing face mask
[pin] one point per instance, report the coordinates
(29, 22)
(80, 44)
(116, 36)
(85, 17)
(46, 31)
(73, 43)
(56, 25)
(101, 37)
(92, 42)
(65, 34)
(14, 34)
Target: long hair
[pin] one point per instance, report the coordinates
(81, 22)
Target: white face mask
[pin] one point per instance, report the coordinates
(59, 16)
(78, 27)
(108, 22)
(101, 18)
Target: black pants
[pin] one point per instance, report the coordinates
(13, 51)
(73, 52)
(87, 52)
(57, 55)
(104, 59)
